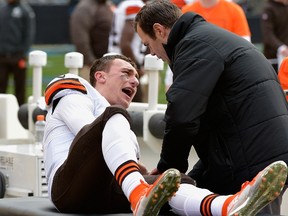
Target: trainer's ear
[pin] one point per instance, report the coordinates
(159, 30)
(100, 76)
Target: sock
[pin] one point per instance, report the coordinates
(129, 177)
(218, 205)
(190, 200)
(120, 149)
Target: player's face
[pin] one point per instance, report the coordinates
(121, 83)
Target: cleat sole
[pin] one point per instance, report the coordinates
(266, 188)
(163, 192)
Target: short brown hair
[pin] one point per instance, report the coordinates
(104, 63)
(163, 12)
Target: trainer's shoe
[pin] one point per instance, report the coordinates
(148, 199)
(255, 195)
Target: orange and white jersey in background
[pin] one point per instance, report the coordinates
(126, 10)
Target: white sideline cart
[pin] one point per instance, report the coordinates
(23, 168)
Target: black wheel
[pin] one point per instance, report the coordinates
(2, 185)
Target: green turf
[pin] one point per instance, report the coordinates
(54, 67)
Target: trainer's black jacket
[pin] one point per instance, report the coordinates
(226, 101)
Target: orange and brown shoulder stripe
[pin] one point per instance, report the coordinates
(61, 84)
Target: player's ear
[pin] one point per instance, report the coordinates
(100, 76)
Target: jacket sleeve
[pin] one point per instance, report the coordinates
(195, 73)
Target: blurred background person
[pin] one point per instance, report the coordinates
(283, 75)
(90, 25)
(17, 32)
(223, 13)
(274, 25)
(181, 3)
(124, 40)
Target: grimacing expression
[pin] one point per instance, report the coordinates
(119, 84)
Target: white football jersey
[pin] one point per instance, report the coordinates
(126, 10)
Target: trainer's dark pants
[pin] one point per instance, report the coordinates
(84, 184)
(274, 208)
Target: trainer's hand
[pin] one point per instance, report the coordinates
(155, 171)
(143, 169)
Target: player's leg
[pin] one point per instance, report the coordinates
(85, 182)
(254, 195)
(121, 152)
